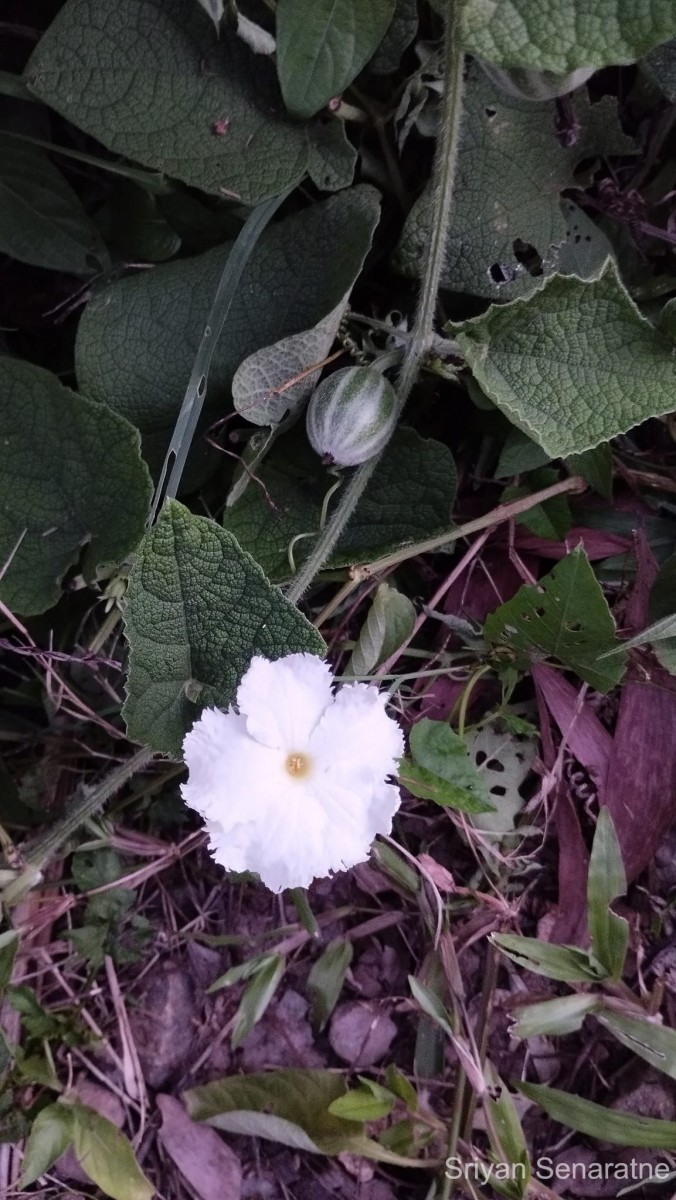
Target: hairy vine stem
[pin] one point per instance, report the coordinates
(89, 802)
(422, 337)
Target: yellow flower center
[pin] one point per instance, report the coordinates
(297, 765)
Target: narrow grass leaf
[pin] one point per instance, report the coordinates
(257, 995)
(9, 944)
(651, 1041)
(326, 979)
(554, 1018)
(599, 1122)
(607, 881)
(565, 963)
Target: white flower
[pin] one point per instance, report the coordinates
(293, 786)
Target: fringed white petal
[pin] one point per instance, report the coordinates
(291, 826)
(284, 700)
(356, 739)
(230, 776)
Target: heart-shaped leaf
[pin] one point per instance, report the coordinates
(197, 610)
(71, 477)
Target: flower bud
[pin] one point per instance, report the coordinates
(351, 416)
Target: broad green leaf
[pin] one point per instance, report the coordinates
(236, 974)
(551, 520)
(599, 1122)
(519, 455)
(662, 608)
(73, 486)
(401, 1087)
(400, 33)
(410, 497)
(257, 995)
(106, 1156)
(136, 226)
(554, 1018)
(573, 365)
(401, 1136)
(566, 617)
(655, 1043)
(152, 81)
(326, 979)
(428, 786)
(524, 83)
(361, 1105)
(561, 35)
(388, 623)
(9, 944)
(606, 881)
(332, 157)
(137, 338)
(660, 65)
(323, 44)
(439, 753)
(275, 380)
(41, 219)
(51, 1133)
(197, 610)
(512, 170)
(288, 1106)
(596, 468)
(566, 963)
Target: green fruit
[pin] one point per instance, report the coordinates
(351, 416)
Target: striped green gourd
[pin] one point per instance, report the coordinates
(351, 416)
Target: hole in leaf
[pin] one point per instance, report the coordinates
(481, 757)
(498, 274)
(574, 626)
(491, 112)
(498, 790)
(202, 387)
(494, 764)
(527, 256)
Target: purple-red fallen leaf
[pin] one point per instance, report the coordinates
(488, 582)
(586, 738)
(570, 921)
(205, 1161)
(636, 609)
(440, 697)
(640, 789)
(597, 543)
